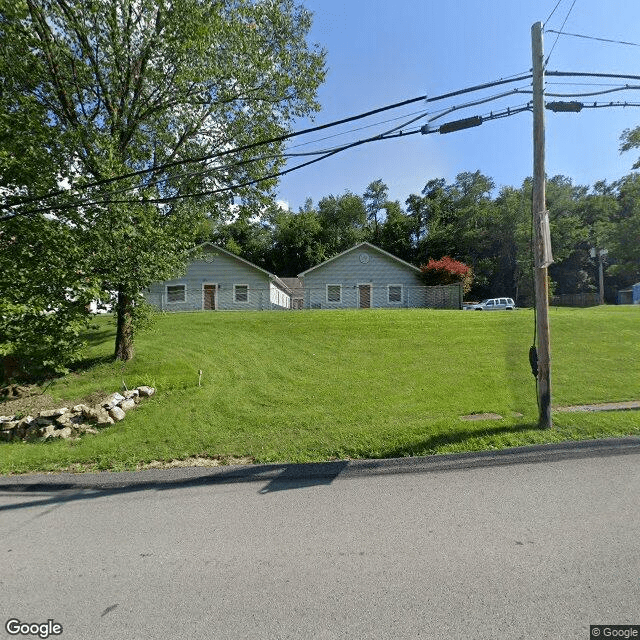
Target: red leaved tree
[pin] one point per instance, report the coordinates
(447, 271)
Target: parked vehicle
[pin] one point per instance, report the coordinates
(495, 304)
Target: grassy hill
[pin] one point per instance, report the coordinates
(318, 385)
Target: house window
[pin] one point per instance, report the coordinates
(394, 293)
(334, 293)
(241, 293)
(176, 293)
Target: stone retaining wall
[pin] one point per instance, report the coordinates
(72, 423)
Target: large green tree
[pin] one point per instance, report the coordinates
(141, 88)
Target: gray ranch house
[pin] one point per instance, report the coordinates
(217, 279)
(366, 276)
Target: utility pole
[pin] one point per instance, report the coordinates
(542, 242)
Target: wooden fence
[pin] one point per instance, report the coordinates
(576, 300)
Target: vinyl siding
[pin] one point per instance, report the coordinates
(225, 271)
(349, 272)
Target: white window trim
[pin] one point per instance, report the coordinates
(235, 294)
(184, 293)
(215, 294)
(389, 301)
(339, 301)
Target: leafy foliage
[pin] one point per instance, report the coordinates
(447, 271)
(115, 88)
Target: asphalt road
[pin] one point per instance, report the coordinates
(537, 543)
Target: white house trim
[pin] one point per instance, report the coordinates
(339, 301)
(235, 294)
(389, 300)
(175, 285)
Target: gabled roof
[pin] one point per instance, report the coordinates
(295, 284)
(362, 245)
(272, 276)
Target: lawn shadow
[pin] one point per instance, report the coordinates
(84, 364)
(94, 339)
(431, 444)
(516, 358)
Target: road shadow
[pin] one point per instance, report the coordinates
(53, 491)
(90, 486)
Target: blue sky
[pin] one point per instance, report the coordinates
(381, 52)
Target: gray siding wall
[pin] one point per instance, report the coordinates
(349, 271)
(225, 271)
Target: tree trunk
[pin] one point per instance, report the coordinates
(124, 332)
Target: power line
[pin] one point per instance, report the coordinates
(579, 35)
(248, 147)
(554, 10)
(165, 200)
(210, 192)
(626, 87)
(323, 153)
(561, 28)
(287, 154)
(588, 74)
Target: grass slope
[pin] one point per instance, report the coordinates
(320, 385)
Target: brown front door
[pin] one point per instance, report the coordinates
(365, 296)
(209, 297)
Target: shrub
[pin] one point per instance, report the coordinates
(447, 271)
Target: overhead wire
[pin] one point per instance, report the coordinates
(579, 35)
(324, 154)
(593, 93)
(250, 146)
(554, 10)
(561, 28)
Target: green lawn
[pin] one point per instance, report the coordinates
(319, 385)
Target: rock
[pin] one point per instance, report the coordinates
(145, 392)
(24, 425)
(43, 422)
(48, 431)
(7, 419)
(83, 428)
(134, 393)
(79, 408)
(10, 430)
(117, 413)
(21, 392)
(53, 413)
(33, 432)
(127, 405)
(113, 400)
(69, 420)
(97, 415)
